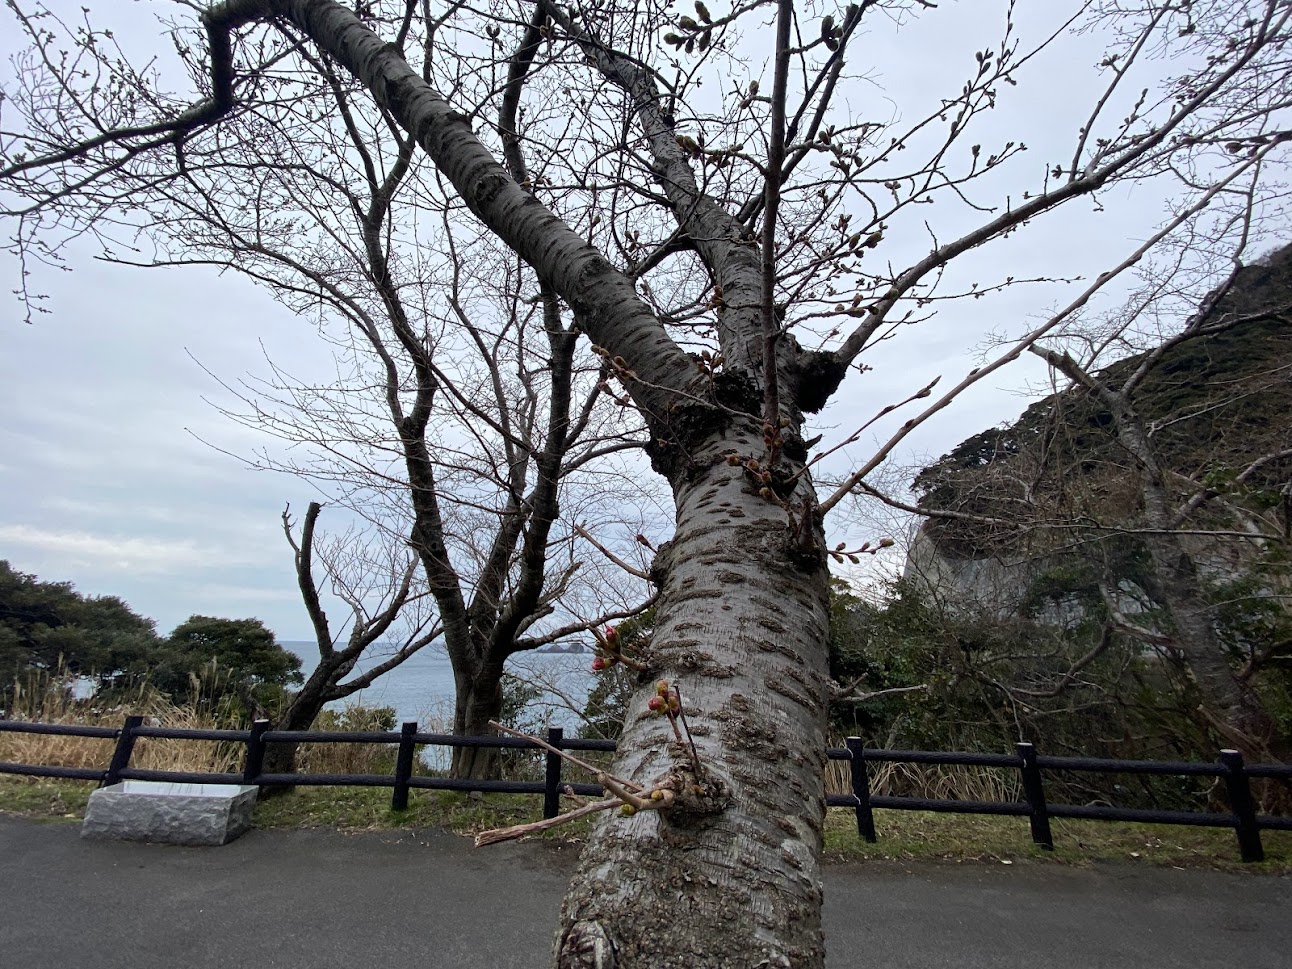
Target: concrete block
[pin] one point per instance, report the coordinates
(169, 813)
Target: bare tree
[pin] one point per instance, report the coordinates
(741, 227)
(1201, 519)
(461, 412)
(1151, 481)
(358, 577)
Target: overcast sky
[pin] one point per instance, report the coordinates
(103, 478)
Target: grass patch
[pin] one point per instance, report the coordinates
(903, 835)
(44, 799)
(368, 809)
(929, 836)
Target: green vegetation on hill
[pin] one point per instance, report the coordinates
(50, 629)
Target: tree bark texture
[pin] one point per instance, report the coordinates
(742, 622)
(1232, 704)
(477, 700)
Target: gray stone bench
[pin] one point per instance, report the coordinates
(169, 813)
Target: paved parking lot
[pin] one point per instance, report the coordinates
(327, 900)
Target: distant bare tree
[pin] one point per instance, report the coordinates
(1157, 475)
(384, 633)
(461, 413)
(1201, 519)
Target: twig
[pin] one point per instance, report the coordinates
(627, 797)
(595, 771)
(695, 754)
(843, 696)
(630, 569)
(497, 835)
(568, 791)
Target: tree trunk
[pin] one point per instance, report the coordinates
(1231, 706)
(728, 878)
(478, 700)
(300, 715)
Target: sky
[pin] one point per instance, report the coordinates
(118, 474)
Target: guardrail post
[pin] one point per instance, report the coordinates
(552, 774)
(861, 791)
(403, 766)
(121, 754)
(1034, 791)
(255, 764)
(1244, 808)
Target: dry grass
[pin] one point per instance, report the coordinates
(50, 700)
(937, 781)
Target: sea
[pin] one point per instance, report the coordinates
(421, 688)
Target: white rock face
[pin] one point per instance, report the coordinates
(166, 813)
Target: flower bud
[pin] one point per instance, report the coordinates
(661, 687)
(612, 635)
(598, 664)
(657, 703)
(627, 810)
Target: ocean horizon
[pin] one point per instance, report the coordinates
(421, 688)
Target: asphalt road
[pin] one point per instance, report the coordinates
(324, 900)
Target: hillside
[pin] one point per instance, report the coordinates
(1212, 406)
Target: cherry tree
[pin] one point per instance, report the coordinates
(715, 227)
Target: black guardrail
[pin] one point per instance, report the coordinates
(1242, 816)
